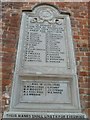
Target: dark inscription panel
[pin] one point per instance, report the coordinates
(45, 91)
(45, 43)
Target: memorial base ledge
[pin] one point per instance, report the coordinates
(41, 115)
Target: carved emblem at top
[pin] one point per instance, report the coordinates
(46, 14)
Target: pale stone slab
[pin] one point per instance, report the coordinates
(45, 43)
(45, 77)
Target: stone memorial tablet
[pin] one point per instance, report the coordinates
(46, 43)
(45, 77)
(45, 91)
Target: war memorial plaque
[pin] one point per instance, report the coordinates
(45, 91)
(45, 78)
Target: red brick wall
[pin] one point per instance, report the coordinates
(11, 18)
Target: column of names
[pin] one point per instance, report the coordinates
(45, 43)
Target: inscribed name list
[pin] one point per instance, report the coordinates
(45, 43)
(45, 91)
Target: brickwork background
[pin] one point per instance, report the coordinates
(45, 0)
(11, 18)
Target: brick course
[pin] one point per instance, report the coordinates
(11, 18)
